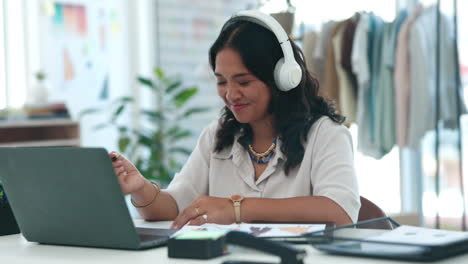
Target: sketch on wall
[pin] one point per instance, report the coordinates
(84, 53)
(77, 51)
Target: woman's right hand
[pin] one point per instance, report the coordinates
(130, 179)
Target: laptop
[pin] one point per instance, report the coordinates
(71, 196)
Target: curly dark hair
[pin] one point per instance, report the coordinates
(294, 111)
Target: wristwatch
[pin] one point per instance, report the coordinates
(236, 202)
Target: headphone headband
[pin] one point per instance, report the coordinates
(288, 73)
(269, 23)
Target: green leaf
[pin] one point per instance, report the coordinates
(159, 73)
(173, 130)
(125, 99)
(182, 134)
(153, 115)
(181, 150)
(88, 112)
(123, 144)
(173, 86)
(159, 155)
(122, 129)
(101, 126)
(176, 133)
(145, 140)
(117, 112)
(146, 82)
(195, 110)
(182, 97)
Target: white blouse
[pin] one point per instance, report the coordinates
(326, 170)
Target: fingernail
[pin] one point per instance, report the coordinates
(124, 173)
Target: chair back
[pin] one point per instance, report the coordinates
(370, 210)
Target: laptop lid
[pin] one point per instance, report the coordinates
(67, 196)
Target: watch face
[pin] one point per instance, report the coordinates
(237, 197)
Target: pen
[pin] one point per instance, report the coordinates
(116, 157)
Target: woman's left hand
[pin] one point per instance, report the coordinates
(206, 209)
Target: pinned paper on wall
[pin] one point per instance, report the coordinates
(104, 94)
(48, 8)
(115, 24)
(77, 39)
(102, 37)
(80, 19)
(58, 17)
(71, 18)
(68, 67)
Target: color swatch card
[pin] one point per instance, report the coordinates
(259, 230)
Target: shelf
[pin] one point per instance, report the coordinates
(53, 132)
(42, 143)
(36, 123)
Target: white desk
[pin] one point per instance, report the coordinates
(15, 249)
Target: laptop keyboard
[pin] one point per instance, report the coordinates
(154, 236)
(156, 239)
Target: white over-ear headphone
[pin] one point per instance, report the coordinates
(288, 73)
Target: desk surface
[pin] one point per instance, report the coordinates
(15, 249)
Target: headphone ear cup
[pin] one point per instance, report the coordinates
(287, 75)
(279, 78)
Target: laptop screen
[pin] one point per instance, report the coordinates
(68, 196)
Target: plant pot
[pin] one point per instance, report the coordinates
(8, 225)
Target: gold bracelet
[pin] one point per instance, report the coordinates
(158, 191)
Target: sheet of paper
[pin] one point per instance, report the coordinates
(260, 230)
(420, 236)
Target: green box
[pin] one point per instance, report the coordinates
(198, 244)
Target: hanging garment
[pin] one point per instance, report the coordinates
(366, 55)
(308, 46)
(384, 103)
(330, 84)
(360, 66)
(349, 30)
(346, 92)
(321, 49)
(375, 57)
(385, 97)
(422, 45)
(402, 78)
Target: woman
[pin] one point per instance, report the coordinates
(273, 156)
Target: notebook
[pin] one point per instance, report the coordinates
(71, 196)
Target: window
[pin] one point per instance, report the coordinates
(3, 94)
(13, 55)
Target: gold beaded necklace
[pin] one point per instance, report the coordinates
(264, 156)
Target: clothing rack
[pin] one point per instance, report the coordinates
(437, 114)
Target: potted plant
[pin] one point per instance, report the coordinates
(8, 223)
(39, 94)
(155, 146)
